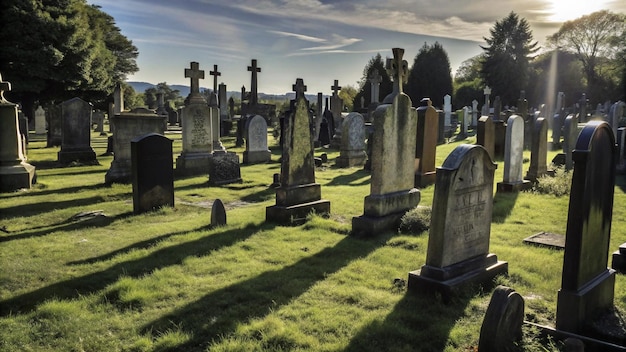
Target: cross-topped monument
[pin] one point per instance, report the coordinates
(195, 74)
(300, 88)
(4, 87)
(398, 69)
(215, 73)
(336, 88)
(253, 90)
(375, 80)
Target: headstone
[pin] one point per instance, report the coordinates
(231, 108)
(40, 120)
(15, 172)
(152, 172)
(161, 110)
(538, 151)
(587, 285)
(318, 119)
(127, 126)
(254, 99)
(485, 135)
(223, 102)
(215, 117)
(621, 145)
(218, 213)
(458, 241)
(336, 107)
(447, 109)
(23, 129)
(426, 144)
(616, 112)
(497, 109)
(475, 112)
(514, 157)
(298, 194)
(582, 103)
(98, 120)
(172, 117)
(501, 330)
(569, 140)
(55, 129)
(375, 79)
(487, 106)
(256, 141)
(224, 168)
(392, 191)
(76, 135)
(118, 99)
(352, 151)
(195, 74)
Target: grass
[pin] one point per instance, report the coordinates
(168, 281)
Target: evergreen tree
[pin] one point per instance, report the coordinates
(429, 76)
(505, 67)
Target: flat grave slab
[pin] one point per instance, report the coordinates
(547, 239)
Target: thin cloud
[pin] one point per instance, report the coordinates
(299, 36)
(336, 43)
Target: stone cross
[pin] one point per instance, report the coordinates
(487, 92)
(253, 90)
(196, 74)
(215, 73)
(300, 88)
(335, 87)
(375, 80)
(4, 87)
(398, 69)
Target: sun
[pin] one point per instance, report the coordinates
(567, 10)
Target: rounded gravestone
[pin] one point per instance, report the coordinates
(502, 325)
(218, 213)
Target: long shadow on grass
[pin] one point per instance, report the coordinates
(75, 189)
(32, 209)
(503, 203)
(94, 282)
(347, 180)
(219, 313)
(417, 323)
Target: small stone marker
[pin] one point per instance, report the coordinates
(218, 213)
(256, 141)
(538, 150)
(76, 135)
(501, 330)
(426, 144)
(485, 135)
(514, 157)
(587, 284)
(352, 151)
(152, 172)
(458, 244)
(547, 239)
(40, 120)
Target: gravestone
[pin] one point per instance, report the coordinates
(256, 141)
(458, 241)
(223, 102)
(197, 129)
(474, 113)
(215, 73)
(501, 330)
(375, 79)
(587, 285)
(336, 107)
(127, 126)
(40, 120)
(426, 144)
(172, 116)
(98, 120)
(447, 109)
(152, 172)
(352, 151)
(15, 172)
(318, 119)
(392, 192)
(161, 110)
(218, 213)
(497, 109)
(216, 120)
(118, 99)
(224, 168)
(582, 104)
(570, 135)
(55, 129)
(487, 106)
(298, 194)
(76, 134)
(538, 151)
(485, 135)
(514, 157)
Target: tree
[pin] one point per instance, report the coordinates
(365, 89)
(508, 53)
(53, 50)
(430, 75)
(568, 76)
(594, 39)
(469, 70)
(347, 94)
(171, 96)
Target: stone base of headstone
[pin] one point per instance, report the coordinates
(193, 164)
(574, 308)
(534, 175)
(351, 158)
(14, 177)
(224, 168)
(83, 155)
(514, 186)
(383, 212)
(256, 156)
(295, 214)
(119, 172)
(425, 179)
(451, 279)
(619, 259)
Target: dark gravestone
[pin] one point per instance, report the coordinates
(218, 213)
(426, 144)
(152, 172)
(501, 330)
(538, 150)
(324, 137)
(499, 139)
(587, 286)
(55, 131)
(441, 127)
(76, 135)
(485, 135)
(458, 244)
(619, 259)
(224, 168)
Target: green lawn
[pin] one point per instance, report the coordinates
(167, 280)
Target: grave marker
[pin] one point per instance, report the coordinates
(40, 120)
(485, 135)
(426, 144)
(538, 150)
(152, 172)
(256, 141)
(218, 213)
(76, 135)
(353, 141)
(514, 157)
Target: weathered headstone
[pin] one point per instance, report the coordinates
(352, 151)
(152, 172)
(336, 107)
(40, 120)
(76, 135)
(161, 110)
(98, 120)
(127, 126)
(298, 194)
(485, 135)
(475, 113)
(223, 102)
(514, 157)
(447, 109)
(216, 120)
(15, 172)
(538, 151)
(218, 213)
(501, 330)
(426, 144)
(569, 140)
(256, 141)
(215, 73)
(55, 123)
(392, 190)
(497, 108)
(460, 227)
(118, 99)
(224, 168)
(487, 106)
(587, 285)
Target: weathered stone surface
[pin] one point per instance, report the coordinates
(485, 135)
(352, 151)
(40, 120)
(513, 157)
(224, 168)
(501, 330)
(218, 213)
(426, 144)
(76, 135)
(256, 141)
(197, 140)
(538, 150)
(152, 172)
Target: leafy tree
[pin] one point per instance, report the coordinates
(467, 91)
(53, 50)
(131, 98)
(508, 53)
(365, 88)
(568, 75)
(171, 96)
(347, 94)
(469, 70)
(595, 40)
(430, 75)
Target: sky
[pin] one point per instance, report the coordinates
(317, 40)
